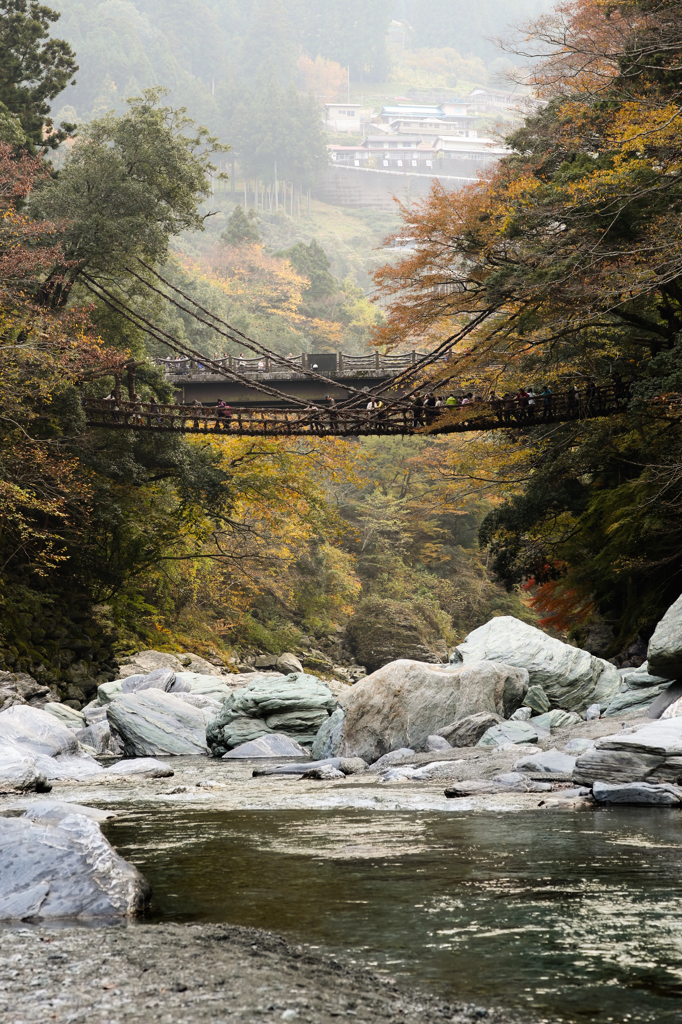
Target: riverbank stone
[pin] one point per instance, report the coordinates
(468, 731)
(664, 653)
(53, 746)
(327, 742)
(571, 678)
(556, 719)
(404, 702)
(537, 700)
(639, 793)
(651, 753)
(296, 705)
(65, 870)
(273, 745)
(504, 733)
(152, 722)
(20, 774)
(546, 761)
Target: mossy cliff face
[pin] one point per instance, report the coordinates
(382, 631)
(59, 639)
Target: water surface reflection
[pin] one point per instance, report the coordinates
(576, 916)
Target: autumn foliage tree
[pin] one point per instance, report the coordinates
(564, 264)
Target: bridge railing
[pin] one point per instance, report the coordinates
(398, 417)
(341, 362)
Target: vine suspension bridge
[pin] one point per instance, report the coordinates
(363, 395)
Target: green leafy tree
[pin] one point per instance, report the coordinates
(33, 68)
(311, 261)
(129, 183)
(241, 228)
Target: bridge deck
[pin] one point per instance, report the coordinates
(398, 418)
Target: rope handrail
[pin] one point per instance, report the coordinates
(400, 417)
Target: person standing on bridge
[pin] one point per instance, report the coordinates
(333, 413)
(418, 413)
(547, 397)
(532, 401)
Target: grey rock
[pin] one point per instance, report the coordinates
(664, 700)
(289, 663)
(93, 713)
(636, 700)
(571, 678)
(578, 745)
(19, 773)
(664, 653)
(635, 677)
(329, 738)
(537, 699)
(139, 767)
(267, 661)
(57, 753)
(64, 870)
(145, 662)
(521, 715)
(293, 768)
(406, 701)
(352, 765)
(52, 811)
(663, 738)
(273, 745)
(106, 692)
(152, 722)
(556, 719)
(468, 731)
(200, 700)
(98, 737)
(508, 732)
(393, 757)
(615, 766)
(159, 679)
(593, 712)
(72, 719)
(546, 761)
(325, 773)
(297, 704)
(640, 793)
(472, 787)
(436, 743)
(673, 710)
(519, 783)
(201, 685)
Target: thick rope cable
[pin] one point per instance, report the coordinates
(235, 335)
(176, 345)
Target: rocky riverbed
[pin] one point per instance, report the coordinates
(206, 974)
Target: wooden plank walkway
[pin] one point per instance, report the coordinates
(399, 418)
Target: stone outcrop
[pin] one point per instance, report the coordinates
(54, 747)
(297, 705)
(152, 722)
(571, 678)
(468, 731)
(664, 654)
(641, 793)
(403, 703)
(651, 753)
(274, 745)
(20, 774)
(64, 870)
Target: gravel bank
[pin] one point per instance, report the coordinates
(198, 974)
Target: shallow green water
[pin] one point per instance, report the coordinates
(573, 916)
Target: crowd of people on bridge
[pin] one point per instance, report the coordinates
(383, 413)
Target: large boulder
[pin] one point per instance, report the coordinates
(152, 722)
(273, 745)
(20, 774)
(572, 678)
(467, 731)
(327, 743)
(297, 705)
(64, 870)
(403, 703)
(652, 752)
(634, 701)
(53, 746)
(664, 654)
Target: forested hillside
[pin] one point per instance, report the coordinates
(563, 269)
